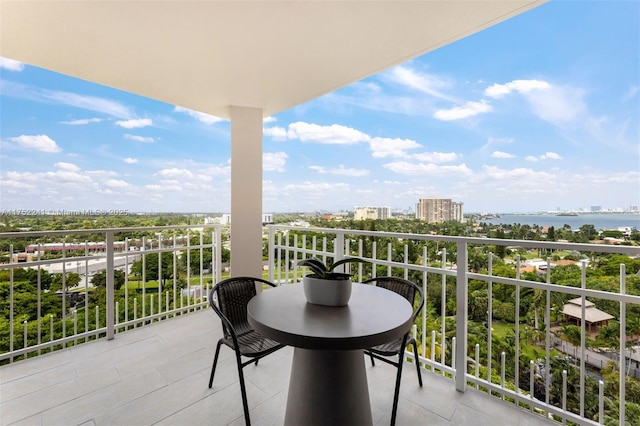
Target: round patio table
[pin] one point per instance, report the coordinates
(328, 381)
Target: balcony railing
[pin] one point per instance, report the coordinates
(555, 388)
(528, 366)
(61, 305)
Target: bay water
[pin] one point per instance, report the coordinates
(601, 221)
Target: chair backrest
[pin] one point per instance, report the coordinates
(403, 287)
(229, 299)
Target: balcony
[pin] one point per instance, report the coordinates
(143, 356)
(158, 375)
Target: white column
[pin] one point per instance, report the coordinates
(246, 191)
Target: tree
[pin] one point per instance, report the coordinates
(71, 280)
(589, 231)
(100, 279)
(151, 266)
(501, 250)
(551, 234)
(612, 265)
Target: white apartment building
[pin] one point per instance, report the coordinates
(438, 210)
(362, 213)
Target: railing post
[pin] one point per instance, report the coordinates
(110, 287)
(461, 316)
(271, 245)
(338, 247)
(218, 254)
(623, 346)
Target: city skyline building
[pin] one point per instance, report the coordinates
(362, 213)
(439, 210)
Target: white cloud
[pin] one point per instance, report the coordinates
(217, 170)
(90, 103)
(10, 64)
(341, 170)
(276, 133)
(519, 174)
(550, 156)
(469, 109)
(333, 134)
(274, 161)
(387, 147)
(617, 178)
(67, 176)
(134, 124)
(545, 156)
(116, 183)
(269, 119)
(520, 86)
(37, 142)
(491, 141)
(100, 173)
(501, 154)
(422, 169)
(306, 187)
(425, 83)
(200, 116)
(49, 179)
(82, 121)
(435, 157)
(174, 173)
(16, 184)
(130, 160)
(70, 167)
(143, 139)
(559, 106)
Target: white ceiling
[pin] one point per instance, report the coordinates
(209, 55)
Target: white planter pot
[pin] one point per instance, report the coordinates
(327, 292)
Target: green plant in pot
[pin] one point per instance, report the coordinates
(325, 286)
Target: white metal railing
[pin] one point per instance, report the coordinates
(71, 320)
(439, 263)
(451, 276)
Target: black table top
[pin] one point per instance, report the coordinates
(373, 316)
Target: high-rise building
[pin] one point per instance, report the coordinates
(456, 212)
(438, 210)
(362, 213)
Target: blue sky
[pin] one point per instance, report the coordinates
(536, 113)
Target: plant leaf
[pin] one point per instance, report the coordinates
(316, 266)
(345, 261)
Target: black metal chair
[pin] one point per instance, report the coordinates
(408, 290)
(229, 299)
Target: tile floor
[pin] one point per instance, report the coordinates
(158, 374)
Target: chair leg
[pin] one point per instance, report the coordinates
(215, 361)
(372, 361)
(396, 394)
(243, 390)
(415, 359)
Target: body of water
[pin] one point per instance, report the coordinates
(599, 221)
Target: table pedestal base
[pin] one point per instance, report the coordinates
(328, 388)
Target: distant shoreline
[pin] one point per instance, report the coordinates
(601, 221)
(579, 213)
